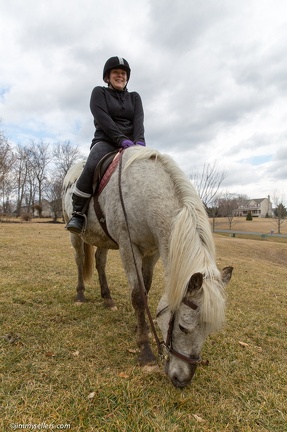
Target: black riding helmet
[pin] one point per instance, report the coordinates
(116, 63)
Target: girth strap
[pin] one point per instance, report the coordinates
(101, 217)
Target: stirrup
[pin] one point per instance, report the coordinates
(85, 222)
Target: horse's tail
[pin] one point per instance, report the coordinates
(89, 262)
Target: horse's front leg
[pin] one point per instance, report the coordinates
(136, 282)
(146, 355)
(148, 263)
(101, 260)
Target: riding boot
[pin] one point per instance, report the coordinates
(77, 223)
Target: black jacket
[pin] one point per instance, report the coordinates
(118, 115)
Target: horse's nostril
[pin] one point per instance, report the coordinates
(176, 381)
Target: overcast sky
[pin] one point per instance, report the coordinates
(212, 75)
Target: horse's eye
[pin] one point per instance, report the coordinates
(184, 330)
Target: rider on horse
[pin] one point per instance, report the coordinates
(118, 119)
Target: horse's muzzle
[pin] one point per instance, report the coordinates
(179, 379)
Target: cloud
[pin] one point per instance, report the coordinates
(212, 76)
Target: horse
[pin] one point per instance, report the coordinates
(160, 216)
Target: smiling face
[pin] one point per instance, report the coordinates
(118, 79)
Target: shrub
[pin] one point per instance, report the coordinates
(26, 217)
(249, 216)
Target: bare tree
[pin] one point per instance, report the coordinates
(65, 155)
(280, 212)
(5, 156)
(6, 179)
(227, 205)
(207, 182)
(39, 159)
(54, 195)
(21, 172)
(213, 210)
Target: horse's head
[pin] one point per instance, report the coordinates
(185, 330)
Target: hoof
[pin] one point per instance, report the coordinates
(146, 357)
(109, 303)
(80, 298)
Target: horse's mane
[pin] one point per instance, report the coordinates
(191, 245)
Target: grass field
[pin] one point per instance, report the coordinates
(260, 225)
(66, 366)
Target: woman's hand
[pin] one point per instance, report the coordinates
(127, 143)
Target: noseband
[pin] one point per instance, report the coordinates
(168, 342)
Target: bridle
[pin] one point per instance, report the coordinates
(168, 343)
(160, 344)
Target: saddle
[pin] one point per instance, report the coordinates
(103, 172)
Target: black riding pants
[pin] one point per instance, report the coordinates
(85, 181)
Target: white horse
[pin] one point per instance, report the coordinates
(166, 218)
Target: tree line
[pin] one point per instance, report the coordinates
(33, 172)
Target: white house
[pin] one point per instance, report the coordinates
(259, 207)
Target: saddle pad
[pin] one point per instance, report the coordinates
(104, 181)
(110, 170)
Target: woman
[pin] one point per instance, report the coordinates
(118, 118)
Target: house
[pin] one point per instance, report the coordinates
(47, 209)
(259, 207)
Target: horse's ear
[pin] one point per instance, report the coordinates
(226, 274)
(195, 282)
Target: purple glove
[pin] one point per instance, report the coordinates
(127, 143)
(140, 143)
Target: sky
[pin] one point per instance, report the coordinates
(212, 76)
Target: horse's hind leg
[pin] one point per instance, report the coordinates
(78, 245)
(101, 260)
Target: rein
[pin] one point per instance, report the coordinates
(160, 344)
(141, 285)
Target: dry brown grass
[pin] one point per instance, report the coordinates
(260, 225)
(64, 364)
